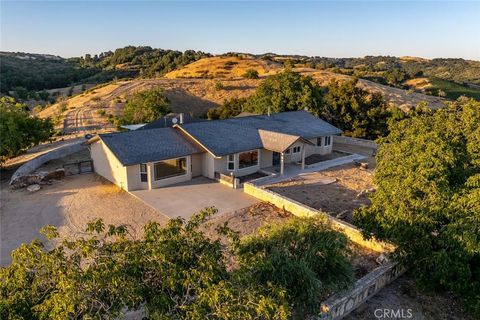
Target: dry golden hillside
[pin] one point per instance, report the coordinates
(222, 67)
(196, 95)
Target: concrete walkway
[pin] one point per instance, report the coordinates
(187, 198)
(292, 170)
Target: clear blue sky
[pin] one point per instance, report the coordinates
(334, 29)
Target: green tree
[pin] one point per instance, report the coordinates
(286, 91)
(145, 106)
(298, 256)
(19, 130)
(427, 198)
(229, 109)
(357, 112)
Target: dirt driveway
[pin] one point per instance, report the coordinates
(185, 199)
(69, 205)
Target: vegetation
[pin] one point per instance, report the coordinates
(456, 75)
(19, 130)
(229, 109)
(356, 111)
(145, 106)
(286, 91)
(299, 257)
(174, 272)
(33, 72)
(251, 74)
(428, 187)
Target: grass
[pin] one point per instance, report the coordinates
(453, 90)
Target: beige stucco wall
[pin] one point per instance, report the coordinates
(107, 165)
(197, 164)
(208, 165)
(172, 180)
(133, 178)
(318, 150)
(294, 157)
(266, 158)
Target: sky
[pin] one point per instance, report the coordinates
(427, 29)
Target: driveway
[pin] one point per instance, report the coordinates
(186, 198)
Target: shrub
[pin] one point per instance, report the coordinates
(251, 74)
(218, 86)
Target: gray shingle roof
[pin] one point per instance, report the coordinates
(227, 136)
(140, 146)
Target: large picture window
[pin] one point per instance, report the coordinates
(248, 159)
(170, 168)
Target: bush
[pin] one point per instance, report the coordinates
(174, 272)
(251, 74)
(428, 187)
(303, 256)
(18, 130)
(218, 86)
(145, 106)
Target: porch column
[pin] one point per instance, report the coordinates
(281, 162)
(149, 175)
(303, 156)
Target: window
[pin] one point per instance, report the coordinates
(248, 159)
(143, 172)
(231, 162)
(296, 149)
(328, 141)
(319, 142)
(287, 151)
(170, 168)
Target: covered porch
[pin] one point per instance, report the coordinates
(286, 148)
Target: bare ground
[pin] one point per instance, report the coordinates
(333, 190)
(69, 204)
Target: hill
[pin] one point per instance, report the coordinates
(225, 67)
(189, 93)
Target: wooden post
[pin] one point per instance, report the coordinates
(303, 157)
(149, 175)
(281, 162)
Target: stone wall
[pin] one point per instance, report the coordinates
(341, 304)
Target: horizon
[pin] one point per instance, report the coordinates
(323, 29)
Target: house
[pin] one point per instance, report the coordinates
(153, 158)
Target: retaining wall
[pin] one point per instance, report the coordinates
(33, 164)
(301, 210)
(341, 304)
(355, 142)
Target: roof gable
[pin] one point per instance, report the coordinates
(234, 135)
(141, 146)
(278, 142)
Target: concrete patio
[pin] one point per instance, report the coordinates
(186, 198)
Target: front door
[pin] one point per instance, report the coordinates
(276, 159)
